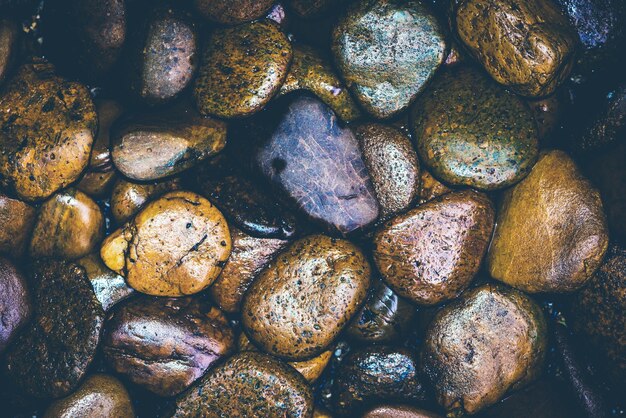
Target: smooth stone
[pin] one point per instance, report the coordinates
(110, 288)
(392, 165)
(164, 344)
(15, 302)
(398, 411)
(248, 384)
(99, 396)
(313, 72)
(478, 348)
(127, 198)
(232, 12)
(431, 254)
(387, 51)
(243, 68)
(471, 132)
(154, 146)
(430, 187)
(248, 258)
(290, 312)
(384, 317)
(317, 163)
(53, 353)
(551, 230)
(177, 245)
(70, 225)
(534, 67)
(48, 127)
(17, 220)
(377, 373)
(8, 47)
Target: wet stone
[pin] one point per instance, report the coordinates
(15, 302)
(243, 67)
(128, 198)
(430, 187)
(232, 11)
(398, 411)
(8, 46)
(109, 287)
(177, 245)
(289, 295)
(490, 341)
(431, 253)
(534, 67)
(387, 51)
(551, 230)
(317, 163)
(48, 127)
(16, 224)
(52, 355)
(166, 344)
(311, 9)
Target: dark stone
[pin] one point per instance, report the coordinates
(310, 9)
(232, 11)
(8, 46)
(15, 304)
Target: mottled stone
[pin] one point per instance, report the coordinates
(377, 374)
(398, 411)
(387, 51)
(318, 164)
(528, 46)
(232, 11)
(289, 312)
(431, 253)
(248, 258)
(109, 287)
(551, 230)
(392, 165)
(70, 225)
(15, 302)
(48, 126)
(52, 355)
(16, 224)
(430, 187)
(471, 132)
(166, 344)
(177, 245)
(99, 396)
(248, 384)
(490, 341)
(127, 198)
(243, 68)
(8, 47)
(311, 71)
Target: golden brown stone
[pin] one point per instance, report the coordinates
(430, 187)
(16, 224)
(128, 198)
(232, 11)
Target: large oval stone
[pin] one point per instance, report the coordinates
(300, 303)
(318, 164)
(471, 132)
(551, 230)
(387, 51)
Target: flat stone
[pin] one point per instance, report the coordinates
(232, 11)
(17, 220)
(15, 302)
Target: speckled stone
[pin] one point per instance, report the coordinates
(52, 355)
(248, 384)
(48, 127)
(8, 47)
(471, 132)
(551, 229)
(490, 341)
(317, 163)
(109, 287)
(528, 46)
(387, 51)
(15, 302)
(232, 11)
(392, 165)
(243, 68)
(127, 198)
(289, 312)
(17, 220)
(431, 253)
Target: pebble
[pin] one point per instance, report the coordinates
(15, 302)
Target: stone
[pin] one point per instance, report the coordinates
(232, 12)
(110, 288)
(157, 145)
(317, 163)
(387, 51)
(16, 224)
(243, 67)
(551, 230)
(430, 187)
(431, 254)
(248, 258)
(398, 411)
(248, 384)
(550, 114)
(164, 344)
(471, 132)
(15, 302)
(53, 353)
(99, 396)
(128, 198)
(392, 165)
(311, 9)
(8, 47)
(48, 127)
(527, 46)
(301, 302)
(313, 72)
(70, 225)
(481, 346)
(177, 245)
